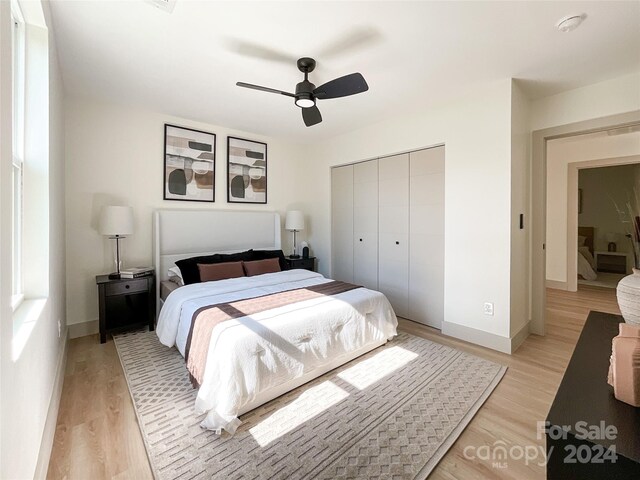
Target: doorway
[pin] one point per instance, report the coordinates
(540, 140)
(607, 193)
(591, 179)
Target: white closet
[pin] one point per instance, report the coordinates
(393, 215)
(342, 223)
(388, 230)
(426, 236)
(365, 224)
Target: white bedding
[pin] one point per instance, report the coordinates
(586, 264)
(249, 355)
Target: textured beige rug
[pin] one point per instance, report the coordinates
(392, 413)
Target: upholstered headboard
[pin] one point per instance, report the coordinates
(179, 234)
(588, 233)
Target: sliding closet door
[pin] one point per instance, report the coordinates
(365, 224)
(393, 249)
(426, 240)
(342, 223)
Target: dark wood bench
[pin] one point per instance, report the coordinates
(585, 401)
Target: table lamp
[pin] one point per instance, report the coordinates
(294, 223)
(611, 238)
(116, 223)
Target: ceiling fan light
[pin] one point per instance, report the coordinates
(305, 101)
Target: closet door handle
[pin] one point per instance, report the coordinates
(360, 239)
(397, 243)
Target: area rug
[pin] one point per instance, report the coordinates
(392, 413)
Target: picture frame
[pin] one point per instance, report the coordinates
(189, 164)
(247, 172)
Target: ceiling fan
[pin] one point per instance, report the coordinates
(307, 93)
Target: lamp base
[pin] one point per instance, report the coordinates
(294, 256)
(114, 276)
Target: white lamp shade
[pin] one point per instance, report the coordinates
(294, 220)
(611, 237)
(116, 220)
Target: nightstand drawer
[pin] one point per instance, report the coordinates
(611, 262)
(304, 263)
(135, 285)
(301, 263)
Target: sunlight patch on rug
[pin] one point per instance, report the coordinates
(298, 412)
(373, 369)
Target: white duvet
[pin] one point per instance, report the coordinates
(252, 354)
(586, 264)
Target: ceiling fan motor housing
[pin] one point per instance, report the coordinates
(304, 94)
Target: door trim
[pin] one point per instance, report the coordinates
(539, 139)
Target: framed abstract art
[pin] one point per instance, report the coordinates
(246, 171)
(189, 164)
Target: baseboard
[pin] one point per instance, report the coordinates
(48, 435)
(83, 329)
(520, 337)
(557, 285)
(472, 335)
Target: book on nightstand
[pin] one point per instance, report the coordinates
(135, 272)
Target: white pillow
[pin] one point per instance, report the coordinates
(175, 276)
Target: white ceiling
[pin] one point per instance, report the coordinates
(418, 53)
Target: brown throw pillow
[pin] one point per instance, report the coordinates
(258, 267)
(220, 271)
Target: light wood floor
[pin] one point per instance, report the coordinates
(97, 434)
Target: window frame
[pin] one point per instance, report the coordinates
(18, 74)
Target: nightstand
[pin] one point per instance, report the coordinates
(612, 262)
(301, 263)
(126, 303)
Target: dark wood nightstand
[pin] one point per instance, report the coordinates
(612, 262)
(126, 303)
(302, 263)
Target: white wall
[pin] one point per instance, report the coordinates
(560, 154)
(115, 156)
(476, 133)
(520, 204)
(619, 95)
(27, 382)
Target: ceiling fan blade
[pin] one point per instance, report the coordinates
(311, 116)
(254, 50)
(264, 89)
(342, 87)
(354, 40)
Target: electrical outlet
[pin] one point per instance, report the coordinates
(488, 308)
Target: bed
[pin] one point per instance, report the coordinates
(586, 261)
(251, 359)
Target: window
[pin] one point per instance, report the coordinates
(30, 169)
(18, 83)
